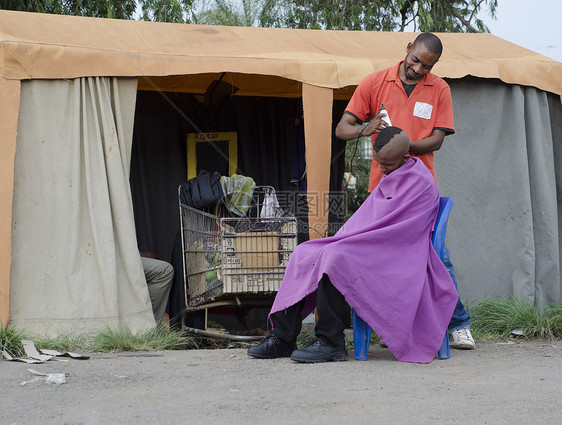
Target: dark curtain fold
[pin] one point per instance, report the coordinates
(265, 129)
(159, 158)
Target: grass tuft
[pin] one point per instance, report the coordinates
(10, 341)
(499, 317)
(157, 338)
(304, 338)
(106, 340)
(64, 342)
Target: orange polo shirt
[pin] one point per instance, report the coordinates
(428, 107)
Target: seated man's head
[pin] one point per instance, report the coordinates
(391, 149)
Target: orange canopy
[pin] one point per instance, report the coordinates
(53, 46)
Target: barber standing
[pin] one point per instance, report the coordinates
(409, 96)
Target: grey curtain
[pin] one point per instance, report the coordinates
(503, 169)
(75, 264)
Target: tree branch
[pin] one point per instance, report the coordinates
(476, 8)
(404, 13)
(464, 21)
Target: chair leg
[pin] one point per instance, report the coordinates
(444, 350)
(361, 337)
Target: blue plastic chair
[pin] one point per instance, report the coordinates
(362, 331)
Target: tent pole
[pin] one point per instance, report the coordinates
(317, 106)
(9, 111)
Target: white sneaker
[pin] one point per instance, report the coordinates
(462, 339)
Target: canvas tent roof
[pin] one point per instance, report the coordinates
(317, 65)
(54, 46)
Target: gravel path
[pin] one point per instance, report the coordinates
(498, 383)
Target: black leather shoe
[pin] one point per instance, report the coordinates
(320, 351)
(271, 348)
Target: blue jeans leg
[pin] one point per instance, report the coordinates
(460, 319)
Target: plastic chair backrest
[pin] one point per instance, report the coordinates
(438, 241)
(438, 238)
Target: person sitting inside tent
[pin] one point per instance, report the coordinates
(381, 262)
(159, 275)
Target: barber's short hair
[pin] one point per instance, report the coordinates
(385, 136)
(431, 42)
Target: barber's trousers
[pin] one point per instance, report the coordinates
(333, 315)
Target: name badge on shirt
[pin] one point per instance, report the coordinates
(423, 110)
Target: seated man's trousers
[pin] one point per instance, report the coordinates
(333, 315)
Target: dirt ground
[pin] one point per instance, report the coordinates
(498, 383)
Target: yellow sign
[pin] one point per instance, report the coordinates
(212, 152)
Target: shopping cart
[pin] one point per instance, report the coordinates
(234, 262)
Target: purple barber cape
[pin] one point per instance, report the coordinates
(383, 262)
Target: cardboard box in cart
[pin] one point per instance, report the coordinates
(255, 262)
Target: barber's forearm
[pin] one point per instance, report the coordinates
(349, 132)
(429, 144)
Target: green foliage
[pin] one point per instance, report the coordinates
(305, 337)
(445, 15)
(10, 341)
(63, 342)
(168, 10)
(502, 316)
(360, 167)
(119, 9)
(23, 5)
(369, 15)
(222, 12)
(497, 319)
(378, 15)
(107, 340)
(357, 15)
(490, 319)
(157, 338)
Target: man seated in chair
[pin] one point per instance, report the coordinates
(381, 262)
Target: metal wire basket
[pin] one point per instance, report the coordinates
(230, 256)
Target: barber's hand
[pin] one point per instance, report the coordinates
(376, 125)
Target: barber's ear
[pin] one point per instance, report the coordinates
(405, 158)
(408, 47)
